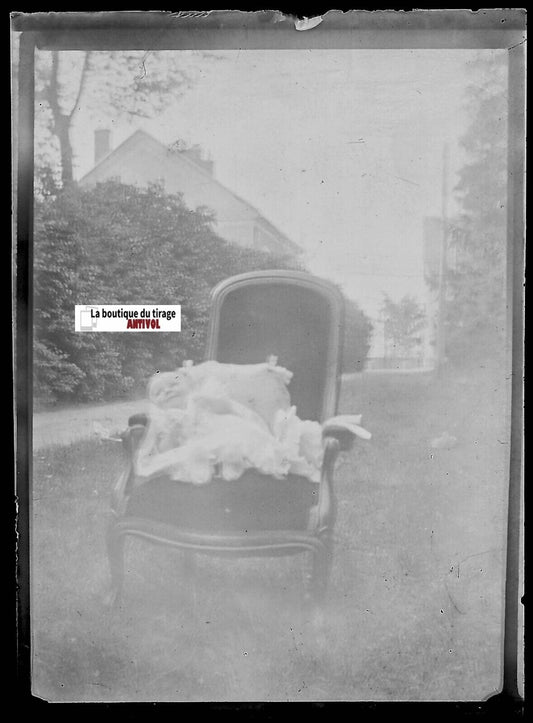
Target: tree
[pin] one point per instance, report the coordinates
(403, 322)
(357, 333)
(113, 84)
(119, 244)
(476, 283)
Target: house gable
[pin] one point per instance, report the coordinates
(141, 159)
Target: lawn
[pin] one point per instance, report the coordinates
(414, 609)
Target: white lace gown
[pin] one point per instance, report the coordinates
(217, 420)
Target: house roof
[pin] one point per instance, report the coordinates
(141, 136)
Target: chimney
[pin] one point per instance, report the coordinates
(102, 144)
(196, 154)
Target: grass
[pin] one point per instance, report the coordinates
(414, 610)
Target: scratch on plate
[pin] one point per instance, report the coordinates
(406, 180)
(517, 44)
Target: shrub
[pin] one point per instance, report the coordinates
(120, 244)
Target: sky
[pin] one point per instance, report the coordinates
(341, 149)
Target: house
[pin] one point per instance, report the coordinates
(141, 159)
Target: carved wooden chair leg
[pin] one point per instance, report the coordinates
(316, 594)
(115, 552)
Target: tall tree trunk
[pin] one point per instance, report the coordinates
(62, 127)
(62, 121)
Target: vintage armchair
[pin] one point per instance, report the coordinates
(299, 319)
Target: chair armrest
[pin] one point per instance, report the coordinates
(131, 439)
(331, 452)
(345, 428)
(138, 420)
(343, 436)
(324, 513)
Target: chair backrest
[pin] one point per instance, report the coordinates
(292, 315)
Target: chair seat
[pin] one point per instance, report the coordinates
(254, 502)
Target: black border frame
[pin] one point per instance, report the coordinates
(379, 29)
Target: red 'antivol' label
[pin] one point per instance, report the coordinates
(143, 324)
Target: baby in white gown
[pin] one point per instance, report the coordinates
(217, 420)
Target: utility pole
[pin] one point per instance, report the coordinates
(441, 314)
